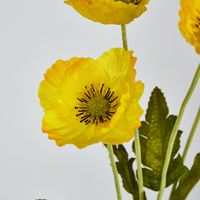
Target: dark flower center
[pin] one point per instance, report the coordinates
(136, 2)
(96, 104)
(197, 23)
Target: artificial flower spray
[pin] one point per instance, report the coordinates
(104, 107)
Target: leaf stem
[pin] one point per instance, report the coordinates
(139, 165)
(189, 141)
(174, 132)
(115, 172)
(124, 36)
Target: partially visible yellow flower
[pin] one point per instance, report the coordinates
(189, 23)
(109, 11)
(86, 101)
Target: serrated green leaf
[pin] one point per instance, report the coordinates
(189, 179)
(154, 136)
(125, 169)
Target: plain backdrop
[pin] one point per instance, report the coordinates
(33, 35)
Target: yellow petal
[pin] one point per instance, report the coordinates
(108, 11)
(119, 64)
(189, 23)
(48, 92)
(128, 120)
(69, 131)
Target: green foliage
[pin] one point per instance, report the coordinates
(187, 181)
(154, 136)
(125, 169)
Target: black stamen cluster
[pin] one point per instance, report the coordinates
(90, 93)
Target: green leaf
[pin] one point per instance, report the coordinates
(125, 169)
(154, 136)
(188, 180)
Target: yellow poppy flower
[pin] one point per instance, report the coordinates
(109, 11)
(86, 101)
(189, 23)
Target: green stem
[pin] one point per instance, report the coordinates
(137, 139)
(115, 172)
(175, 131)
(189, 141)
(139, 165)
(192, 132)
(124, 36)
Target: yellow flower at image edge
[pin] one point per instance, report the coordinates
(109, 11)
(86, 101)
(189, 23)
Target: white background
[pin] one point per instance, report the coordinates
(33, 35)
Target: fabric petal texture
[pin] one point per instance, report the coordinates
(189, 23)
(86, 101)
(109, 11)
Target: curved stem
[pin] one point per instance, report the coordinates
(189, 141)
(124, 36)
(174, 133)
(114, 169)
(139, 165)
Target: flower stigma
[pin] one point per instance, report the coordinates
(96, 105)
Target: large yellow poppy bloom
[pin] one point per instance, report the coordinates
(109, 11)
(189, 23)
(86, 101)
